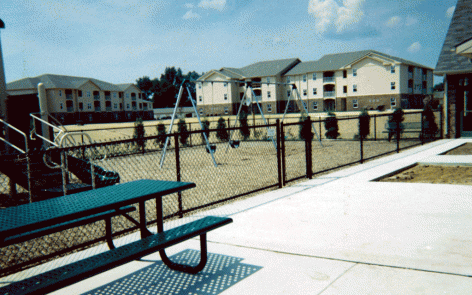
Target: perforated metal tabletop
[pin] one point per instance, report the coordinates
(28, 217)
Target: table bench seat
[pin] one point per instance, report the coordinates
(74, 272)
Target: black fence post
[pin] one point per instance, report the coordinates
(177, 169)
(375, 127)
(361, 142)
(282, 140)
(441, 130)
(398, 136)
(308, 148)
(422, 128)
(319, 123)
(279, 154)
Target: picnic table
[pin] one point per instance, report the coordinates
(24, 222)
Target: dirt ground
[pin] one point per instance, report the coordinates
(453, 174)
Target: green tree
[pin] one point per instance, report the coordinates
(430, 128)
(364, 124)
(244, 131)
(331, 126)
(222, 134)
(161, 132)
(206, 126)
(182, 129)
(304, 130)
(145, 84)
(139, 134)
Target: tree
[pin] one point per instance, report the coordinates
(331, 126)
(304, 130)
(364, 124)
(222, 134)
(182, 129)
(145, 84)
(139, 134)
(245, 131)
(430, 128)
(161, 132)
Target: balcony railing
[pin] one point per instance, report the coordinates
(107, 97)
(69, 96)
(98, 109)
(410, 75)
(256, 85)
(410, 90)
(329, 93)
(328, 79)
(134, 108)
(70, 109)
(96, 97)
(108, 109)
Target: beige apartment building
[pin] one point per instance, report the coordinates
(336, 82)
(79, 99)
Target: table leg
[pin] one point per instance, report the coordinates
(142, 220)
(159, 216)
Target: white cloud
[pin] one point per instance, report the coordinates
(212, 4)
(410, 21)
(415, 47)
(329, 13)
(450, 11)
(393, 21)
(189, 5)
(191, 15)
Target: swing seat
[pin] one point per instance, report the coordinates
(234, 144)
(212, 147)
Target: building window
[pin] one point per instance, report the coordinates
(133, 96)
(120, 95)
(226, 110)
(344, 89)
(127, 106)
(344, 74)
(268, 80)
(114, 94)
(201, 112)
(89, 106)
(315, 91)
(61, 105)
(115, 105)
(199, 85)
(81, 106)
(133, 105)
(354, 72)
(393, 102)
(226, 96)
(392, 69)
(314, 76)
(269, 108)
(60, 92)
(315, 106)
(392, 85)
(355, 103)
(127, 95)
(288, 79)
(88, 94)
(268, 94)
(121, 106)
(288, 93)
(96, 104)
(79, 93)
(225, 84)
(354, 88)
(200, 98)
(304, 92)
(304, 78)
(304, 105)
(140, 106)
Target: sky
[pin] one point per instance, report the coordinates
(119, 41)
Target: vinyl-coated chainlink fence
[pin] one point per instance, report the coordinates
(238, 162)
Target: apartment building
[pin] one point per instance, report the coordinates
(336, 82)
(219, 92)
(79, 99)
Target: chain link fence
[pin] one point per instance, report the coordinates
(235, 163)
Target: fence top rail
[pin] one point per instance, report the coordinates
(20, 132)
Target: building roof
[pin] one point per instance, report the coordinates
(59, 81)
(460, 30)
(258, 69)
(336, 61)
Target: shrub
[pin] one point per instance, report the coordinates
(364, 124)
(222, 134)
(430, 128)
(245, 131)
(161, 132)
(139, 134)
(304, 130)
(205, 126)
(331, 126)
(182, 130)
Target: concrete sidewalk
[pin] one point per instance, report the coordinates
(341, 233)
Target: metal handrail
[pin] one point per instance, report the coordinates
(19, 131)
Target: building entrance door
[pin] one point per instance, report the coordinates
(467, 115)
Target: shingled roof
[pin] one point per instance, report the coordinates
(460, 30)
(59, 81)
(336, 61)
